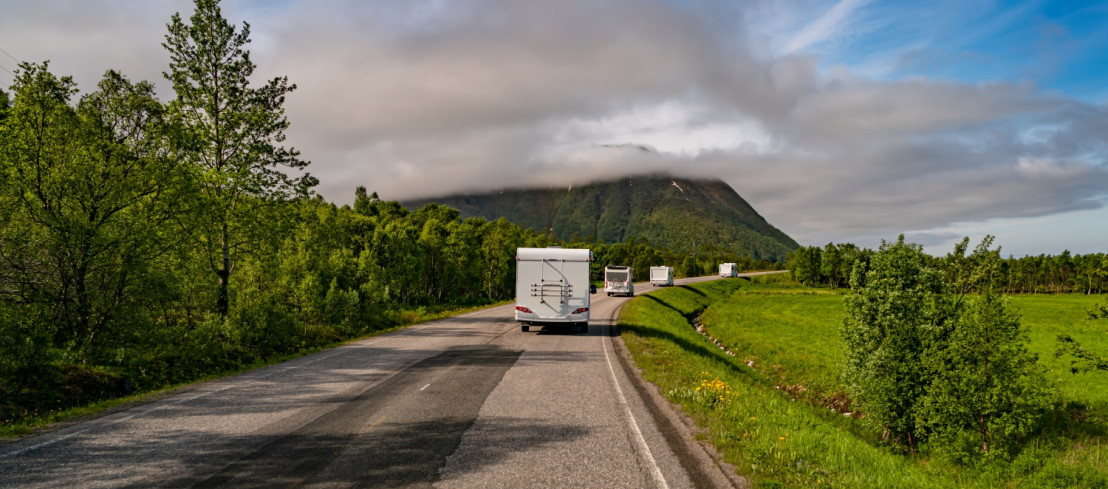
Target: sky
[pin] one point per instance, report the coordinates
(839, 121)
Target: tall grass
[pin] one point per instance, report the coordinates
(780, 421)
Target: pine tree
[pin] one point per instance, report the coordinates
(232, 132)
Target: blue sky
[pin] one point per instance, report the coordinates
(839, 121)
(1059, 46)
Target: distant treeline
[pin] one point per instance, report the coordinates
(641, 255)
(831, 265)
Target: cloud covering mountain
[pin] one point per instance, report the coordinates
(422, 98)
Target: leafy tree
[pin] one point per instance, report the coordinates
(5, 103)
(90, 188)
(831, 265)
(690, 267)
(983, 379)
(884, 333)
(365, 204)
(941, 360)
(646, 257)
(805, 265)
(232, 132)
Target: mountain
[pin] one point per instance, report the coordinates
(677, 213)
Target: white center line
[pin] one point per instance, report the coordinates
(426, 386)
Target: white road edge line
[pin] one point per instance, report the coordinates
(656, 472)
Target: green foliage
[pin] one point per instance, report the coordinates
(86, 192)
(1081, 359)
(986, 386)
(690, 267)
(1064, 273)
(925, 359)
(705, 217)
(229, 134)
(1098, 311)
(831, 265)
(884, 339)
(806, 264)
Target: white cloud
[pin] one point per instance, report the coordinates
(670, 127)
(415, 99)
(825, 27)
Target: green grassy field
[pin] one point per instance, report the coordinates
(774, 409)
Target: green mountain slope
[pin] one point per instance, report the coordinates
(680, 214)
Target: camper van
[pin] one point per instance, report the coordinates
(728, 270)
(661, 276)
(552, 287)
(619, 280)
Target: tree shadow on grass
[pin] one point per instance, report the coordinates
(693, 290)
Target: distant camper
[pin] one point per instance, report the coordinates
(618, 280)
(728, 270)
(661, 276)
(552, 287)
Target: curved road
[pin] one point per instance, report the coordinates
(463, 402)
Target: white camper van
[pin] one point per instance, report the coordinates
(661, 276)
(728, 270)
(552, 287)
(619, 280)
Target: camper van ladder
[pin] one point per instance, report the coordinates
(556, 288)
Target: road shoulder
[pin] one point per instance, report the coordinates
(701, 462)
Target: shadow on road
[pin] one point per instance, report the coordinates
(395, 433)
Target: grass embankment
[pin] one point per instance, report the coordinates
(774, 409)
(29, 421)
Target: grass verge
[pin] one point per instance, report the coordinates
(774, 408)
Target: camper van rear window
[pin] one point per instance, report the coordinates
(613, 276)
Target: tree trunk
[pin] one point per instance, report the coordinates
(224, 273)
(983, 428)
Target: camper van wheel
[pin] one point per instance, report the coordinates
(583, 327)
(524, 327)
(609, 294)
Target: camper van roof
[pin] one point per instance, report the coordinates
(528, 254)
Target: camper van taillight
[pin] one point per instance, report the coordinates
(579, 310)
(523, 309)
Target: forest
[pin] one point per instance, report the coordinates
(148, 243)
(831, 266)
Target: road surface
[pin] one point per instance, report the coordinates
(469, 401)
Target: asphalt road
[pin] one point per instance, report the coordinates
(469, 401)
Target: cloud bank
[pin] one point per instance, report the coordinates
(416, 99)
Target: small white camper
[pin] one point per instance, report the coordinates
(661, 276)
(552, 287)
(728, 270)
(619, 280)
